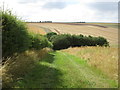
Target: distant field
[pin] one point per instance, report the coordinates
(35, 29)
(107, 30)
(113, 25)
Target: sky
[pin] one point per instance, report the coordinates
(64, 10)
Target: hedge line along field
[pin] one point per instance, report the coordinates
(105, 30)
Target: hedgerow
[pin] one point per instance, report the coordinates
(15, 37)
(39, 42)
(63, 41)
(49, 35)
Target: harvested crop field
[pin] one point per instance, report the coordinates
(106, 30)
(36, 29)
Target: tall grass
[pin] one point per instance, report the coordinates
(103, 58)
(17, 67)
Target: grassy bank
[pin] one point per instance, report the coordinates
(16, 67)
(62, 70)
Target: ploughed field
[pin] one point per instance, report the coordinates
(106, 30)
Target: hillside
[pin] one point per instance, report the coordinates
(94, 29)
(79, 67)
(52, 45)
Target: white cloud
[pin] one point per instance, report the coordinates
(75, 10)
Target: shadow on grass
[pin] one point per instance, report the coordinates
(49, 58)
(43, 75)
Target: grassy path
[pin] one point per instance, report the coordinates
(61, 70)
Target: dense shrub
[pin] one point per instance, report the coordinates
(66, 40)
(60, 41)
(77, 40)
(101, 41)
(39, 42)
(49, 35)
(15, 37)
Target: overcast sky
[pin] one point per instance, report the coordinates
(65, 10)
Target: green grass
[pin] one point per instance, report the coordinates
(62, 70)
